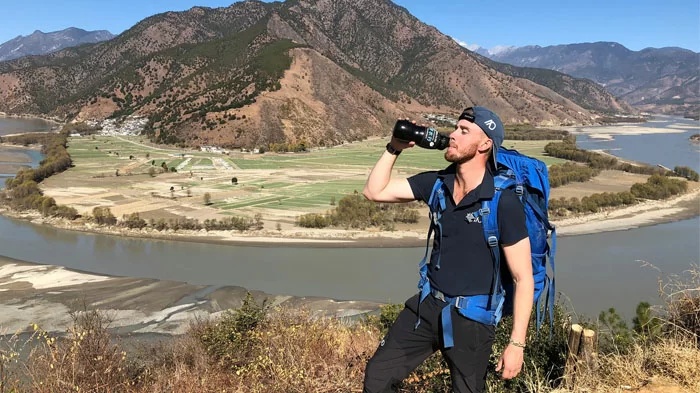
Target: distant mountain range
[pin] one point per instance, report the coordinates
(315, 72)
(39, 43)
(665, 80)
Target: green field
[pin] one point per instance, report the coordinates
(306, 181)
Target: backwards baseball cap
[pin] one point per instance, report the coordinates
(489, 122)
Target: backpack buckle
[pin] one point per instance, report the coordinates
(493, 241)
(519, 190)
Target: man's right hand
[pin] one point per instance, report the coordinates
(400, 144)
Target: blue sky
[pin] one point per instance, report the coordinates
(635, 24)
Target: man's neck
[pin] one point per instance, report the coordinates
(469, 175)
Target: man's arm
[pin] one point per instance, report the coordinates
(380, 187)
(519, 263)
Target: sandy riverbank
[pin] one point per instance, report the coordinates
(46, 295)
(609, 132)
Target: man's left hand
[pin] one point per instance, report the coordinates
(511, 362)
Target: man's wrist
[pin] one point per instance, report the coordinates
(392, 150)
(517, 343)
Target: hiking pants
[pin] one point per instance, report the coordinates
(405, 348)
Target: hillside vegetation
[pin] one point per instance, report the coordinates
(255, 74)
(256, 348)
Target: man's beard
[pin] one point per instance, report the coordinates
(460, 157)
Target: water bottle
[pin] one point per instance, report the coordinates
(425, 137)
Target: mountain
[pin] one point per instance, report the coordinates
(661, 80)
(39, 43)
(253, 74)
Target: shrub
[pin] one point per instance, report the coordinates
(67, 212)
(230, 339)
(313, 220)
(133, 221)
(85, 360)
(103, 216)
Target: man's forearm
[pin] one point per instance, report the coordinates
(380, 176)
(522, 308)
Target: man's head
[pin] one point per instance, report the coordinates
(489, 123)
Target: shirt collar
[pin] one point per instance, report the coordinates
(485, 190)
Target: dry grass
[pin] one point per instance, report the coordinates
(289, 351)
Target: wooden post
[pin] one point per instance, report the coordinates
(572, 357)
(588, 349)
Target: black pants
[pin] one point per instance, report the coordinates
(405, 348)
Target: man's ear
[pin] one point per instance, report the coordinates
(485, 146)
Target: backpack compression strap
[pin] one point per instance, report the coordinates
(549, 282)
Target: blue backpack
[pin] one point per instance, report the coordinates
(528, 177)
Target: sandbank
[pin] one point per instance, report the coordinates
(47, 295)
(608, 132)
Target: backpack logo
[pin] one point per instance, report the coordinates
(490, 124)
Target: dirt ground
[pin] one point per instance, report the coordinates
(607, 181)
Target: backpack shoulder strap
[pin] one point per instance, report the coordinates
(489, 212)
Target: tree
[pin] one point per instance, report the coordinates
(207, 198)
(234, 180)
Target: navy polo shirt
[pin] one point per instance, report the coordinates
(466, 265)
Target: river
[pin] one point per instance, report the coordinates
(594, 271)
(11, 125)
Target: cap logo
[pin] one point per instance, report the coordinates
(490, 124)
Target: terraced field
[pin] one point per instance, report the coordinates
(127, 174)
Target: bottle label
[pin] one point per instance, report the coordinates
(431, 135)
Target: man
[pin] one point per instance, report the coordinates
(461, 263)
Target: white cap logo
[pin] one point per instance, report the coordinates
(490, 124)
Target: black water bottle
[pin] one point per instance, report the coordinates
(425, 137)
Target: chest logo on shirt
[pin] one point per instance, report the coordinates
(473, 217)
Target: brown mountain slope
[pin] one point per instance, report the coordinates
(318, 104)
(254, 74)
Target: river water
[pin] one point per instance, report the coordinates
(594, 272)
(667, 149)
(9, 125)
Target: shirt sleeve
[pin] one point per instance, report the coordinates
(511, 218)
(422, 185)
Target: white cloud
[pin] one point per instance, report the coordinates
(500, 49)
(471, 47)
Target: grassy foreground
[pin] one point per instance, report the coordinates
(258, 349)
